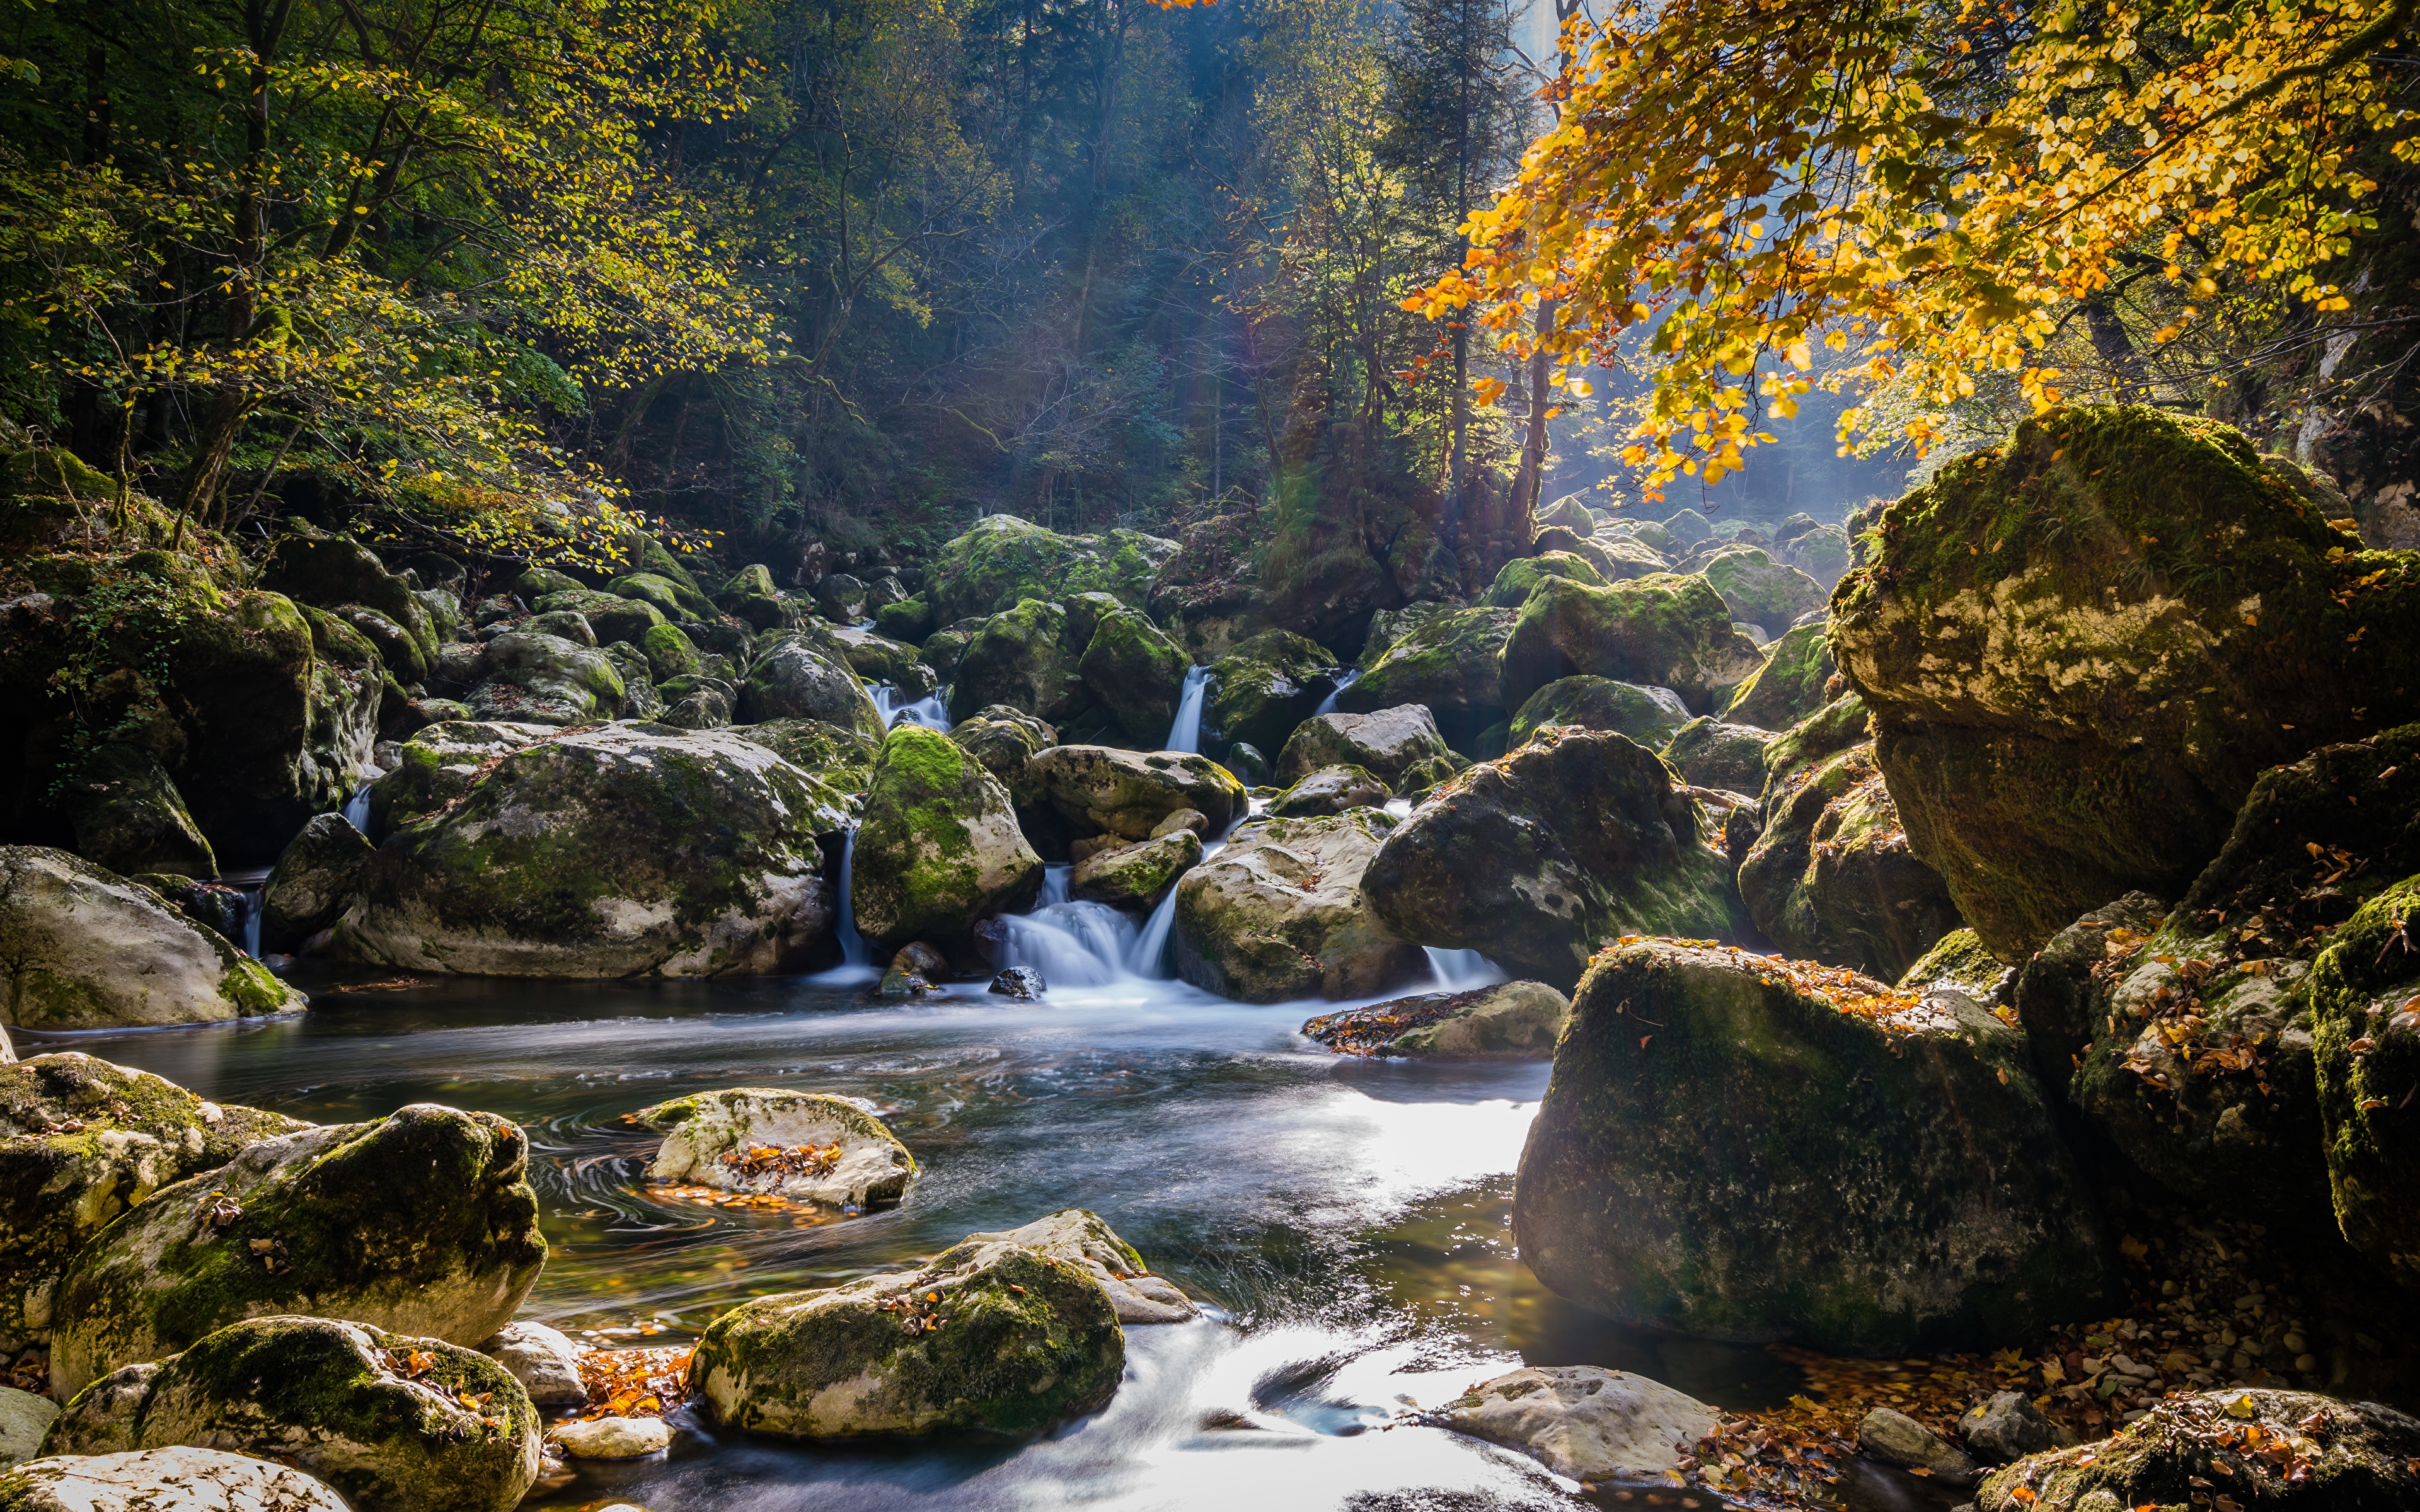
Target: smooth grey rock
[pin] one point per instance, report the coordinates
(1897, 1438)
(163, 1480)
(1591, 1423)
(544, 1360)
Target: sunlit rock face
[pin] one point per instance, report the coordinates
(2081, 647)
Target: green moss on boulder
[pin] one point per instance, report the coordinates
(1713, 754)
(1399, 746)
(1960, 959)
(869, 1167)
(1005, 740)
(939, 849)
(1449, 662)
(1104, 790)
(314, 882)
(1661, 630)
(1512, 586)
(1650, 716)
(840, 759)
(1331, 790)
(1791, 684)
(2367, 1044)
(536, 678)
(1005, 559)
(1760, 591)
(1136, 673)
(1136, 876)
(1267, 686)
(1278, 914)
(799, 677)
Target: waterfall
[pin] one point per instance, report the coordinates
(1459, 970)
(1071, 944)
(856, 958)
(1151, 946)
(357, 808)
(928, 711)
(1184, 732)
(1327, 704)
(1054, 882)
(248, 904)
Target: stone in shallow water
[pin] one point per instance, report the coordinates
(1602, 1426)
(822, 1149)
(543, 1360)
(614, 1438)
(1081, 1237)
(1512, 1020)
(1897, 1438)
(2009, 1426)
(1023, 983)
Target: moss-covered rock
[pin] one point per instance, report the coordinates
(1106, 790)
(840, 759)
(2366, 1037)
(1136, 875)
(1512, 586)
(1760, 591)
(1278, 914)
(666, 595)
(1449, 662)
(1005, 740)
(989, 1337)
(2083, 646)
(911, 620)
(1331, 790)
(397, 1424)
(89, 950)
(879, 659)
(423, 1223)
(1832, 878)
(1136, 673)
(536, 678)
(1650, 716)
(1510, 1021)
(670, 652)
(1268, 684)
(750, 594)
(333, 573)
(1884, 1175)
(939, 849)
(610, 615)
(1661, 630)
(81, 1141)
(439, 763)
(2260, 1449)
(1958, 959)
(1085, 1240)
(1399, 746)
(314, 882)
(1020, 658)
(1713, 754)
(942, 648)
(1540, 859)
(622, 851)
(829, 1151)
(128, 816)
(1005, 559)
(1821, 553)
(796, 677)
(1792, 684)
(163, 1480)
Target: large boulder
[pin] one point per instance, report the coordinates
(1020, 658)
(1797, 671)
(1330, 790)
(81, 1141)
(1884, 1176)
(1510, 1021)
(610, 616)
(314, 882)
(1650, 716)
(1137, 875)
(988, 1337)
(397, 1424)
(617, 852)
(1135, 671)
(2284, 1449)
(1279, 914)
(2366, 1042)
(1267, 686)
(163, 1480)
(1447, 662)
(536, 678)
(128, 816)
(940, 849)
(1400, 747)
(89, 950)
(1005, 740)
(1662, 630)
(2083, 647)
(439, 765)
(810, 1147)
(422, 1222)
(840, 759)
(1832, 878)
(1512, 584)
(1004, 559)
(1126, 792)
(1083, 1239)
(1602, 1427)
(1820, 551)
(1760, 591)
(1543, 858)
(1710, 753)
(798, 678)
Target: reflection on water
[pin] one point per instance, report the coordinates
(1347, 1218)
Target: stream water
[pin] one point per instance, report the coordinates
(1346, 1220)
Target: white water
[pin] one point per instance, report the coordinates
(1184, 733)
(252, 919)
(856, 958)
(1327, 704)
(1460, 970)
(928, 711)
(357, 808)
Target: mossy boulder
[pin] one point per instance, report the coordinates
(128, 816)
(314, 882)
(1005, 559)
(1084, 1239)
(397, 1424)
(939, 849)
(1137, 875)
(841, 1156)
(1688, 528)
(2083, 647)
(1278, 914)
(333, 573)
(988, 1337)
(1005, 740)
(1399, 746)
(534, 678)
(797, 677)
(1712, 753)
(1661, 630)
(840, 758)
(2260, 1449)
(87, 949)
(163, 1480)
(1134, 671)
(1798, 669)
(1020, 658)
(1760, 591)
(1103, 790)
(1267, 686)
(879, 659)
(81, 1141)
(1958, 959)
(2365, 1036)
(911, 618)
(1330, 790)
(1650, 716)
(422, 1222)
(1622, 558)
(439, 763)
(666, 595)
(1821, 553)
(1832, 877)
(622, 851)
(1508, 1021)
(750, 595)
(1512, 584)
(1449, 662)
(610, 615)
(1884, 1177)
(670, 652)
(1544, 857)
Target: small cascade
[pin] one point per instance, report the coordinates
(357, 808)
(1055, 875)
(1461, 970)
(1149, 956)
(1184, 732)
(928, 711)
(1071, 944)
(856, 957)
(1327, 704)
(248, 905)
